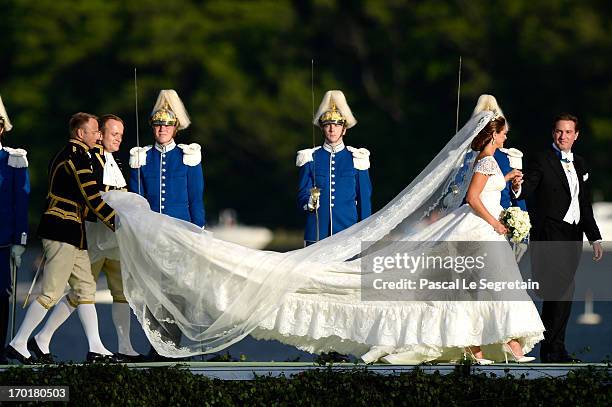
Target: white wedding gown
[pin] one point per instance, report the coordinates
(218, 292)
(421, 331)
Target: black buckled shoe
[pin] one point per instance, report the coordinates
(334, 357)
(41, 357)
(153, 356)
(93, 357)
(12, 353)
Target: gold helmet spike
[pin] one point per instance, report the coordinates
(334, 109)
(163, 117)
(333, 115)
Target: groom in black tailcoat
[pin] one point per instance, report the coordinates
(557, 188)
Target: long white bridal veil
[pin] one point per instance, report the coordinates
(195, 294)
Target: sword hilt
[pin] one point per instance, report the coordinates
(315, 193)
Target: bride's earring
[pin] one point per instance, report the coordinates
(493, 141)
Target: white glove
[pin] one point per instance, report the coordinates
(312, 203)
(16, 252)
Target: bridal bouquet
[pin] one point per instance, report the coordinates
(517, 222)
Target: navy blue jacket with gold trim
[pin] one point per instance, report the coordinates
(97, 164)
(73, 188)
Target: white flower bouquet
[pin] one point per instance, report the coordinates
(518, 223)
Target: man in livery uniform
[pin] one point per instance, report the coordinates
(334, 184)
(170, 177)
(73, 191)
(14, 195)
(102, 249)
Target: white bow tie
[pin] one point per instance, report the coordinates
(567, 157)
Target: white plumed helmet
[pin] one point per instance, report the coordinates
(488, 103)
(4, 119)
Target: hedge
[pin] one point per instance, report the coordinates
(117, 385)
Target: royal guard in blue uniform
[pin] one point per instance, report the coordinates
(167, 174)
(170, 177)
(334, 183)
(14, 194)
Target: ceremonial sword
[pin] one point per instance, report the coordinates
(25, 303)
(137, 126)
(13, 295)
(458, 94)
(454, 189)
(315, 192)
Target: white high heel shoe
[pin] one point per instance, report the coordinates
(376, 353)
(508, 350)
(483, 361)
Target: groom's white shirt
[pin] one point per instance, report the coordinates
(572, 215)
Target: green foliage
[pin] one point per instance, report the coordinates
(114, 385)
(243, 71)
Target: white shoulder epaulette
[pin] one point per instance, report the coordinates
(305, 156)
(192, 153)
(138, 156)
(17, 157)
(361, 157)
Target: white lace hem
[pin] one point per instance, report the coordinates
(432, 331)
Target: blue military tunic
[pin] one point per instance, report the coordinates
(507, 197)
(171, 179)
(342, 175)
(14, 195)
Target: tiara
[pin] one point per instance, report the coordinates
(496, 114)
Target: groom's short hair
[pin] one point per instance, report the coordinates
(565, 116)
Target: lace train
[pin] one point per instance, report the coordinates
(431, 331)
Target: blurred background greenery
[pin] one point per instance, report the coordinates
(242, 69)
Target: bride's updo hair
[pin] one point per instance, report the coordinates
(497, 124)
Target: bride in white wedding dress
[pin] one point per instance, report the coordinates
(217, 292)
